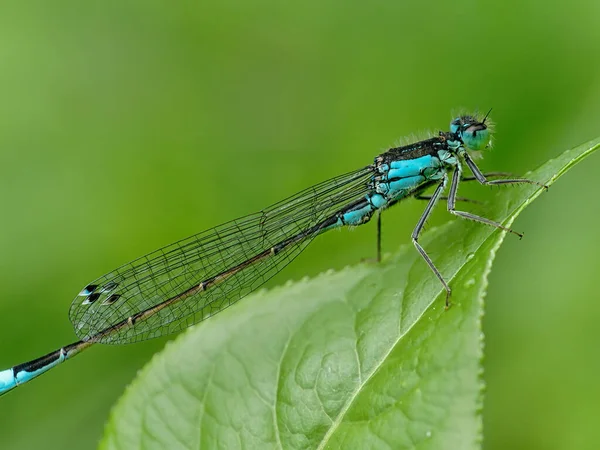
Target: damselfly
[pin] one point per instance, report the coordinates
(196, 278)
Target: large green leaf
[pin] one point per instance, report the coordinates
(362, 358)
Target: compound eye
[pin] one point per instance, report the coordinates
(462, 123)
(475, 136)
(455, 125)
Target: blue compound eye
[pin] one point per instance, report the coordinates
(456, 125)
(474, 134)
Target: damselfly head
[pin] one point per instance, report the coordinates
(474, 133)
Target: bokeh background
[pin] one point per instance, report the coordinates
(126, 125)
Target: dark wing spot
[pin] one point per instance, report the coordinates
(110, 300)
(91, 298)
(90, 288)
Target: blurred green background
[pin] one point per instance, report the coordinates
(126, 125)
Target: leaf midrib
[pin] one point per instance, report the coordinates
(501, 235)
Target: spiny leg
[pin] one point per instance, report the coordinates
(486, 175)
(417, 231)
(443, 197)
(489, 175)
(456, 176)
(479, 176)
(463, 178)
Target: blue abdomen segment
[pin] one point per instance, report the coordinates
(362, 212)
(23, 373)
(7, 381)
(359, 212)
(11, 378)
(358, 216)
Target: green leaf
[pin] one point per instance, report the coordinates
(362, 358)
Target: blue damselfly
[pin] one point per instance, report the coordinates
(196, 278)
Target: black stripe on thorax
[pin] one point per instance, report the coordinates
(413, 151)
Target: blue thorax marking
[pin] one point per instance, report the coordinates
(410, 167)
(398, 179)
(405, 184)
(405, 175)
